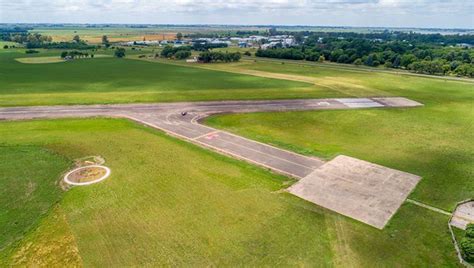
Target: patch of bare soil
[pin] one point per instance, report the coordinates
(87, 174)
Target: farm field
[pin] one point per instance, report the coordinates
(174, 203)
(115, 34)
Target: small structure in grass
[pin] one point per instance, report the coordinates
(88, 170)
(87, 175)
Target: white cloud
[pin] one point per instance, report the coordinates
(427, 13)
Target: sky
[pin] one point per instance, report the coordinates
(376, 13)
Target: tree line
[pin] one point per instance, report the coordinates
(206, 46)
(216, 56)
(179, 53)
(419, 57)
(75, 54)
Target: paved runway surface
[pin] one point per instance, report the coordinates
(168, 117)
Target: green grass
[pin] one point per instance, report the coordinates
(171, 203)
(111, 80)
(434, 141)
(29, 176)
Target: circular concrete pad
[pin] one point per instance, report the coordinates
(87, 175)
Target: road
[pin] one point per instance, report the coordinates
(182, 120)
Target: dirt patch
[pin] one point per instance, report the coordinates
(86, 175)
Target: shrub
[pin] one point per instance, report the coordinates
(120, 52)
(182, 54)
(31, 51)
(247, 53)
(467, 248)
(5, 47)
(358, 62)
(470, 230)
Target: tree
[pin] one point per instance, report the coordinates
(105, 41)
(396, 62)
(358, 62)
(467, 248)
(407, 59)
(64, 54)
(370, 60)
(5, 47)
(76, 38)
(299, 37)
(182, 54)
(120, 52)
(179, 36)
(343, 58)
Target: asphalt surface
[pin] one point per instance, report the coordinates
(182, 120)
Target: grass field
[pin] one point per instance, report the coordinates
(112, 80)
(168, 202)
(434, 141)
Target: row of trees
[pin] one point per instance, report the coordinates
(179, 53)
(290, 54)
(421, 58)
(215, 56)
(75, 54)
(206, 46)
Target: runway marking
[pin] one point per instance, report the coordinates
(207, 135)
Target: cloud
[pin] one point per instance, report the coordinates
(426, 13)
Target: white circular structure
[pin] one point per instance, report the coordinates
(107, 173)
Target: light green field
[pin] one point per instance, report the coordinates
(52, 59)
(168, 202)
(40, 60)
(112, 80)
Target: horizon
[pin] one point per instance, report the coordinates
(235, 25)
(449, 14)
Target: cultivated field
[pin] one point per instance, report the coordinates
(114, 34)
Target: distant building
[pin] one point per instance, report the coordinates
(464, 45)
(193, 60)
